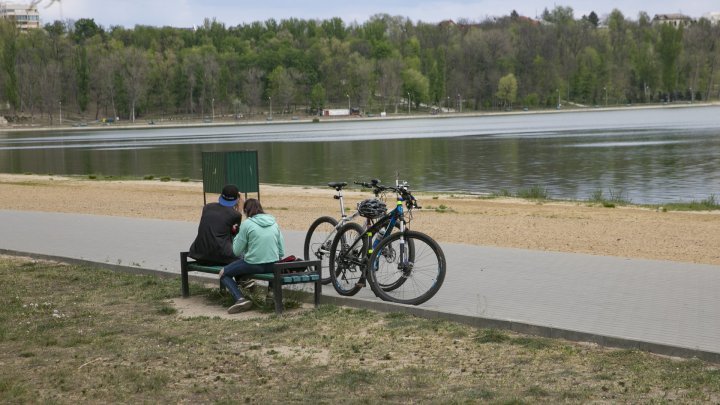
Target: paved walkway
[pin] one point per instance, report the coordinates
(661, 306)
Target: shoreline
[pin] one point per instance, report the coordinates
(289, 119)
(573, 227)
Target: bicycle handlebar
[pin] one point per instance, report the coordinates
(403, 190)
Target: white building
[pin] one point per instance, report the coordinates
(676, 20)
(25, 16)
(714, 17)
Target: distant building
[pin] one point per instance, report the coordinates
(676, 20)
(24, 16)
(714, 17)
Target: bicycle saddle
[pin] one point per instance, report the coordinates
(337, 185)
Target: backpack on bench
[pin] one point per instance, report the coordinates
(292, 258)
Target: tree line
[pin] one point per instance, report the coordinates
(387, 63)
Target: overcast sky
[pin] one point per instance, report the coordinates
(188, 13)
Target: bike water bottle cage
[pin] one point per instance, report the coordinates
(372, 208)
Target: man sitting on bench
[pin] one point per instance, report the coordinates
(260, 244)
(219, 222)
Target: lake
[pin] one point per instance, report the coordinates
(654, 155)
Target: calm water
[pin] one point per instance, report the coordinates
(647, 156)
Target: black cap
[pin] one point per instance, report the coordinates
(229, 196)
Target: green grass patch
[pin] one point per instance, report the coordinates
(81, 334)
(533, 193)
(611, 200)
(708, 204)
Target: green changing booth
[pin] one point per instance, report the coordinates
(239, 168)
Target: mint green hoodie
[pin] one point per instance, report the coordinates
(259, 240)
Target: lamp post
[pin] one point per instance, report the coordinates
(408, 103)
(605, 88)
(558, 103)
(459, 103)
(447, 105)
(270, 98)
(212, 103)
(348, 97)
(60, 103)
(692, 96)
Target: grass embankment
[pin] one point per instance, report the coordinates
(70, 334)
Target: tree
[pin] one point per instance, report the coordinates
(593, 19)
(669, 50)
(134, 71)
(282, 87)
(253, 87)
(416, 85)
(389, 80)
(84, 29)
(9, 35)
(83, 78)
(317, 97)
(507, 90)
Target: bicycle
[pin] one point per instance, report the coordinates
(406, 267)
(322, 231)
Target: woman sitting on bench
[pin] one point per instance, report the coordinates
(260, 243)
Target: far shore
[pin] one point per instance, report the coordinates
(145, 123)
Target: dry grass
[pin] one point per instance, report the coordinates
(74, 334)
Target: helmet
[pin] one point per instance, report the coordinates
(372, 208)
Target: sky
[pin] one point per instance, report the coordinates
(189, 13)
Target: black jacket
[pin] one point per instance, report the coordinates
(213, 244)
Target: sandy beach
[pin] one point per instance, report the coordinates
(580, 227)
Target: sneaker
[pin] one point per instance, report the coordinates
(239, 306)
(246, 285)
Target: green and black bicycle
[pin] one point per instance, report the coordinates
(406, 267)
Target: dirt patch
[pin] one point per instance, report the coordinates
(193, 307)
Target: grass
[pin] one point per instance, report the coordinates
(613, 199)
(73, 334)
(708, 204)
(533, 193)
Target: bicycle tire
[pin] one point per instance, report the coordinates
(423, 276)
(348, 260)
(318, 240)
(388, 284)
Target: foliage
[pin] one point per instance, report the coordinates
(88, 69)
(507, 89)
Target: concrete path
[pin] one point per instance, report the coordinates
(661, 306)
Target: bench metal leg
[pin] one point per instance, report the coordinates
(318, 286)
(184, 274)
(277, 290)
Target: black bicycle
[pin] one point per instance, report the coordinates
(406, 267)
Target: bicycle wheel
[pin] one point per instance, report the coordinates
(421, 275)
(317, 244)
(348, 256)
(388, 284)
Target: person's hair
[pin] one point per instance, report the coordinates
(252, 207)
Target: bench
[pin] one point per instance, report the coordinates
(277, 277)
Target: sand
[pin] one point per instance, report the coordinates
(633, 232)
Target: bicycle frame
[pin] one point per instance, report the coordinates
(387, 222)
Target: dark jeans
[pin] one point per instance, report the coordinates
(240, 268)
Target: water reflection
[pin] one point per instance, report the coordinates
(675, 157)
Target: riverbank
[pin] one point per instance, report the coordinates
(151, 123)
(579, 227)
